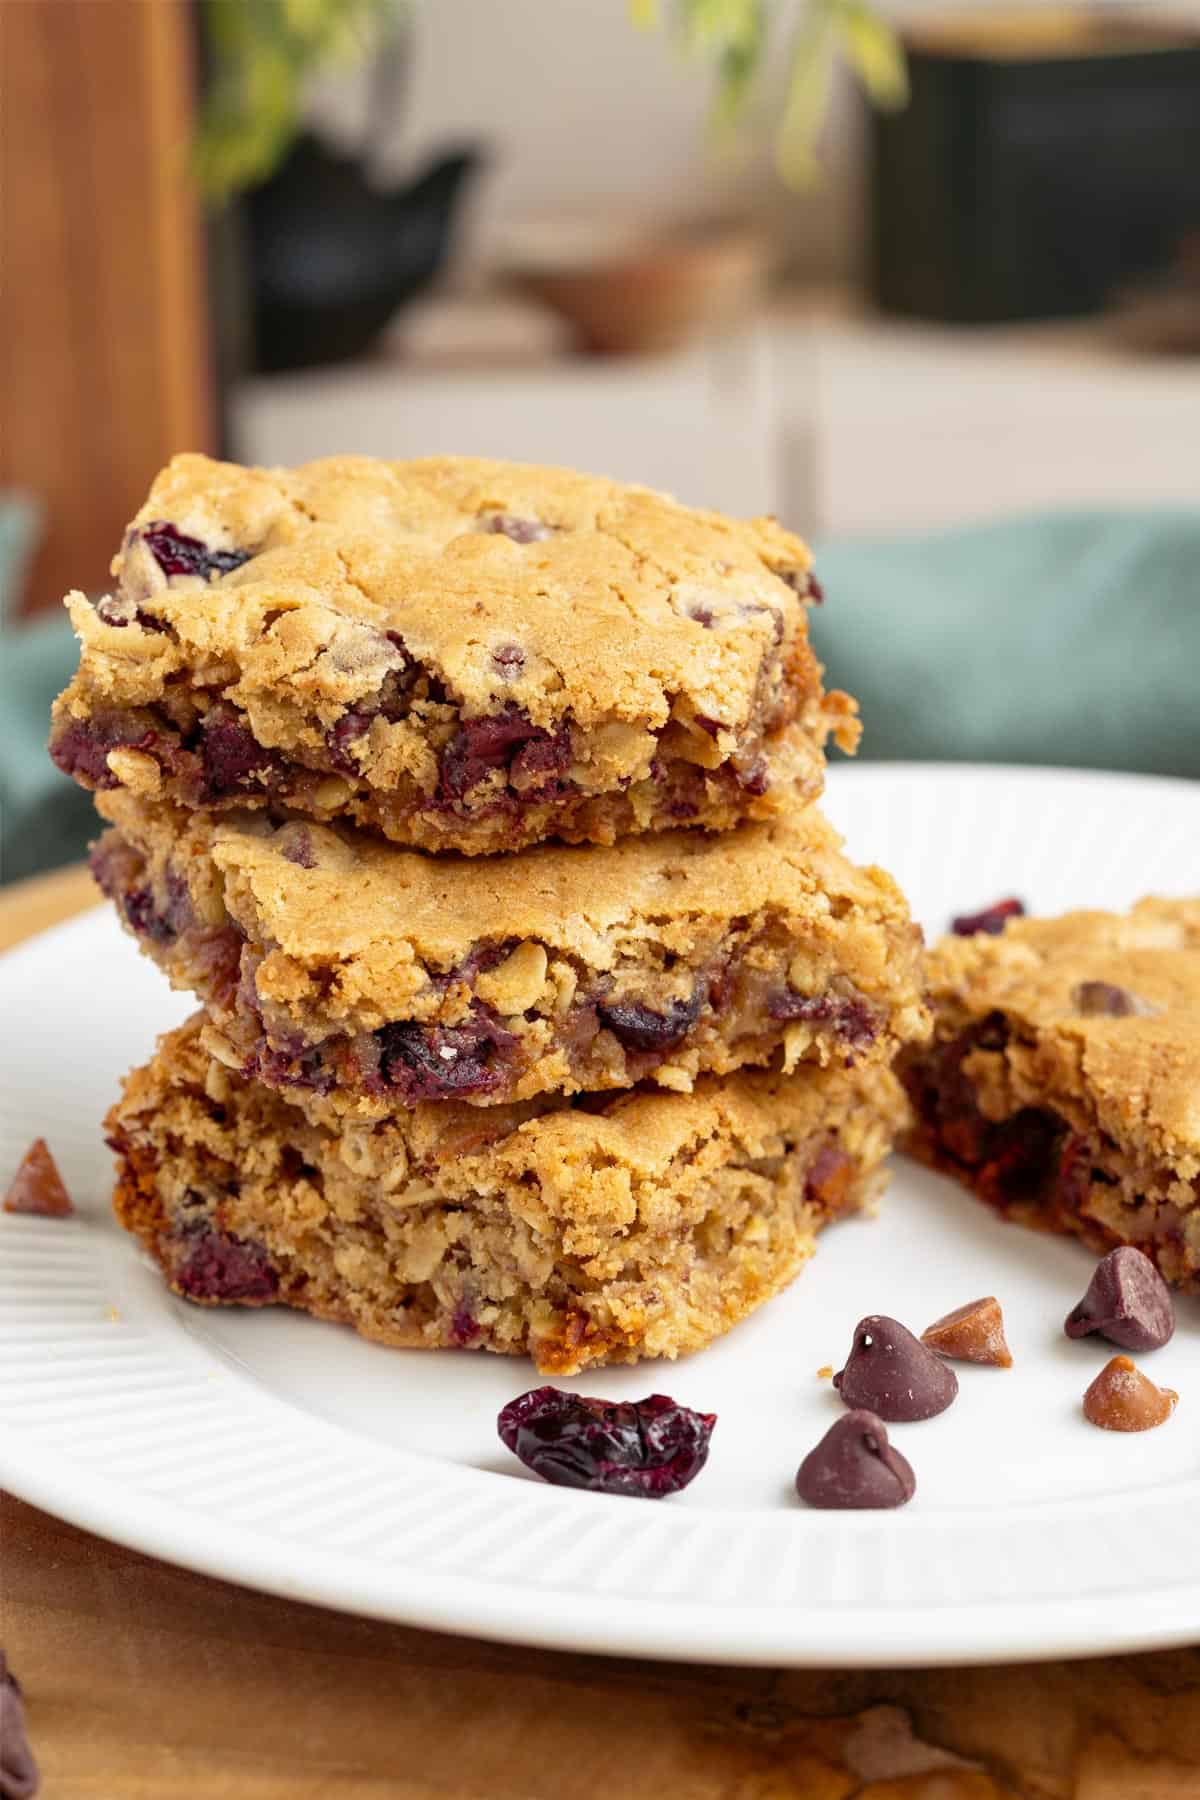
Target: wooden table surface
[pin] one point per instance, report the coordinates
(144, 1682)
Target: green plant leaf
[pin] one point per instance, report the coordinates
(813, 49)
(873, 50)
(264, 52)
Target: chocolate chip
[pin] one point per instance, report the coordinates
(81, 748)
(18, 1771)
(1127, 1302)
(829, 1181)
(521, 531)
(854, 1466)
(892, 1373)
(991, 920)
(1123, 1399)
(37, 1188)
(971, 1333)
(509, 659)
(1104, 999)
(296, 845)
(804, 583)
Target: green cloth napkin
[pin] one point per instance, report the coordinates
(1072, 638)
(44, 818)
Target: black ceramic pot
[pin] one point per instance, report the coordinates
(332, 256)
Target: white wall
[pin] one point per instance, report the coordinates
(580, 108)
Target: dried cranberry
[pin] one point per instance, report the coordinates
(81, 749)
(641, 1029)
(991, 920)
(18, 1770)
(282, 1067)
(349, 728)
(851, 1020)
(649, 1447)
(177, 554)
(541, 761)
(216, 1266)
(482, 746)
(434, 1062)
(233, 758)
(464, 1327)
(143, 917)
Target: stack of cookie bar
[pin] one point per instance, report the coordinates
(541, 1009)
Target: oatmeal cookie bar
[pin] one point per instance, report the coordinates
(1063, 1082)
(573, 1233)
(371, 977)
(454, 653)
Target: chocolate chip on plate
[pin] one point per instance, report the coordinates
(1127, 1302)
(892, 1373)
(855, 1466)
(650, 1447)
(37, 1187)
(992, 919)
(1123, 1399)
(18, 1771)
(971, 1333)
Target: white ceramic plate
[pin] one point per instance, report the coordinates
(283, 1453)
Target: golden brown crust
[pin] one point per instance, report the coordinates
(1134, 1076)
(767, 942)
(662, 651)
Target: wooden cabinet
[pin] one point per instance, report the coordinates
(104, 358)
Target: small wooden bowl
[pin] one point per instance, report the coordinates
(627, 287)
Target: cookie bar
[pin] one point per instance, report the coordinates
(576, 1234)
(453, 653)
(1063, 1082)
(371, 977)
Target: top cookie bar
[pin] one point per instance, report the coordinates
(453, 653)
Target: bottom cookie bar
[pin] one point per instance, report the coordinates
(600, 1231)
(1063, 1083)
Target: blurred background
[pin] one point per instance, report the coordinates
(924, 281)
